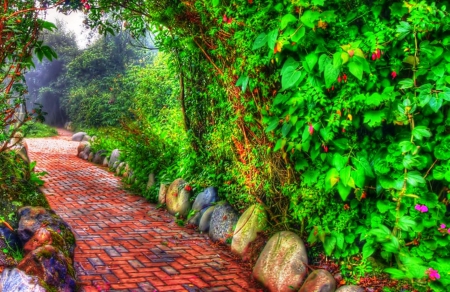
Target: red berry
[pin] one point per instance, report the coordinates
(374, 57)
(393, 74)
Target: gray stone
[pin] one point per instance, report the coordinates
(319, 281)
(177, 199)
(281, 265)
(86, 138)
(162, 193)
(350, 288)
(115, 154)
(99, 156)
(223, 219)
(78, 136)
(115, 165)
(151, 180)
(204, 200)
(105, 161)
(85, 153)
(90, 156)
(252, 221)
(16, 280)
(205, 219)
(120, 168)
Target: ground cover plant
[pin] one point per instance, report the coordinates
(332, 114)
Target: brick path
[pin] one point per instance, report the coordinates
(123, 242)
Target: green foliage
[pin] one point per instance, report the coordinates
(38, 130)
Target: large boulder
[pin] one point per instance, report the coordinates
(90, 156)
(85, 153)
(78, 136)
(319, 281)
(17, 281)
(115, 154)
(252, 221)
(203, 201)
(50, 265)
(44, 236)
(177, 199)
(281, 265)
(223, 219)
(99, 156)
(33, 218)
(205, 219)
(350, 288)
(162, 193)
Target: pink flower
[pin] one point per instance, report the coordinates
(311, 129)
(421, 208)
(443, 225)
(433, 274)
(448, 231)
(374, 57)
(393, 74)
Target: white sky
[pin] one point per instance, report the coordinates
(74, 23)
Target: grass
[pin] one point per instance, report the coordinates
(38, 130)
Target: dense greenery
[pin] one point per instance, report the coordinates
(332, 114)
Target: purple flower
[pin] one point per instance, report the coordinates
(443, 225)
(448, 231)
(421, 208)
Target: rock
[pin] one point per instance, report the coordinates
(177, 199)
(51, 266)
(162, 193)
(22, 152)
(319, 281)
(33, 218)
(105, 162)
(120, 168)
(17, 281)
(86, 138)
(68, 126)
(115, 165)
(82, 146)
(78, 136)
(11, 238)
(223, 219)
(350, 288)
(114, 157)
(205, 219)
(91, 156)
(151, 180)
(281, 265)
(99, 156)
(252, 221)
(85, 153)
(44, 236)
(16, 139)
(6, 260)
(203, 201)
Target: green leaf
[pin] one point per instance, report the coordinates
(339, 240)
(414, 178)
(406, 223)
(273, 124)
(272, 39)
(356, 68)
(406, 83)
(288, 18)
(215, 3)
(383, 206)
(331, 178)
(311, 60)
(331, 74)
(289, 65)
(260, 41)
(309, 18)
(310, 177)
(280, 144)
(367, 250)
(435, 103)
(420, 131)
(374, 118)
(344, 191)
(299, 34)
(243, 82)
(285, 129)
(395, 273)
(345, 175)
(445, 94)
(290, 78)
(339, 161)
(329, 244)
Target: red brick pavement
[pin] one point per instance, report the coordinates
(123, 242)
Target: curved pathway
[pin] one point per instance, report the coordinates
(123, 242)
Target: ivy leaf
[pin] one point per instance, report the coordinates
(345, 175)
(280, 144)
(290, 78)
(339, 161)
(406, 83)
(299, 34)
(329, 244)
(243, 82)
(368, 249)
(445, 94)
(215, 3)
(383, 206)
(414, 178)
(395, 273)
(406, 222)
(404, 29)
(289, 65)
(309, 18)
(286, 19)
(273, 124)
(356, 69)
(272, 39)
(374, 118)
(331, 178)
(285, 129)
(419, 132)
(311, 60)
(260, 41)
(331, 74)
(310, 177)
(435, 103)
(344, 191)
(442, 152)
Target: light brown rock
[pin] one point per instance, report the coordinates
(319, 281)
(177, 199)
(162, 193)
(281, 265)
(350, 288)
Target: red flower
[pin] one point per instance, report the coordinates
(339, 79)
(378, 52)
(311, 129)
(344, 77)
(374, 57)
(225, 18)
(188, 188)
(393, 74)
(87, 6)
(343, 130)
(325, 148)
